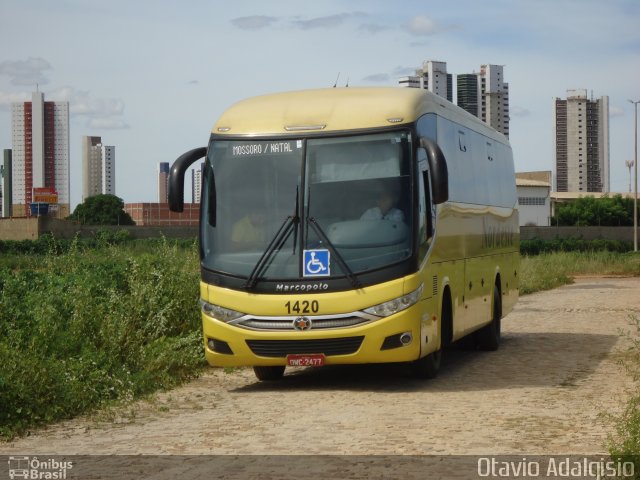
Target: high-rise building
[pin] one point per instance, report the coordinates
(108, 169)
(468, 90)
(494, 105)
(196, 183)
(432, 76)
(98, 167)
(486, 95)
(581, 134)
(163, 182)
(7, 184)
(40, 138)
(91, 167)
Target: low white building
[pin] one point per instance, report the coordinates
(534, 200)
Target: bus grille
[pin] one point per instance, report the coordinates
(282, 348)
(319, 323)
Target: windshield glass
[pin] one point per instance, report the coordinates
(251, 186)
(351, 215)
(358, 192)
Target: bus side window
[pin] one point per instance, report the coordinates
(425, 231)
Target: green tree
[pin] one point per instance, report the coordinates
(589, 211)
(102, 210)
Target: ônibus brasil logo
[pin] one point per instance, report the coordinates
(35, 468)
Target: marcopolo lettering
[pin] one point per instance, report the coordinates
(302, 287)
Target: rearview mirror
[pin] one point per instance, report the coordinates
(438, 170)
(176, 177)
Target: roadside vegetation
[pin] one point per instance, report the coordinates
(614, 211)
(103, 209)
(624, 443)
(547, 265)
(86, 323)
(551, 270)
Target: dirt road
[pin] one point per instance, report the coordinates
(543, 392)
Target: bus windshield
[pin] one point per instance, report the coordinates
(325, 207)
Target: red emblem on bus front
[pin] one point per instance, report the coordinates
(302, 323)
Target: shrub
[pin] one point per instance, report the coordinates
(536, 246)
(624, 444)
(87, 327)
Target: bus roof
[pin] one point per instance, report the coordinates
(338, 109)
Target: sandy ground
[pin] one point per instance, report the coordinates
(544, 392)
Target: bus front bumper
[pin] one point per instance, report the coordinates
(376, 342)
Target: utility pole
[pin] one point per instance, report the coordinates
(635, 176)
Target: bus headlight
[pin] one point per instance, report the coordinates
(397, 304)
(218, 312)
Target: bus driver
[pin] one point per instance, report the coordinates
(385, 209)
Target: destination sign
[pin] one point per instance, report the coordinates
(264, 148)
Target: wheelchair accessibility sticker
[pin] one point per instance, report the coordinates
(316, 263)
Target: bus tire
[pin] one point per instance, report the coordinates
(428, 366)
(489, 336)
(265, 374)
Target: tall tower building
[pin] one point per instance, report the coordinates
(581, 134)
(7, 184)
(108, 169)
(91, 167)
(98, 167)
(40, 138)
(468, 89)
(163, 182)
(196, 183)
(494, 98)
(432, 76)
(486, 95)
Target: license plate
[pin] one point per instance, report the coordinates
(310, 360)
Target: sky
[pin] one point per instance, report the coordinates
(151, 77)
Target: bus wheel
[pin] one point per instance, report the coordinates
(269, 373)
(427, 367)
(489, 336)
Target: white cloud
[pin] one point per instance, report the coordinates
(326, 21)
(107, 123)
(516, 111)
(7, 98)
(377, 78)
(26, 72)
(253, 22)
(403, 71)
(616, 111)
(422, 25)
(102, 113)
(82, 103)
(373, 28)
(258, 22)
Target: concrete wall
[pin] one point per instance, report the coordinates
(32, 228)
(586, 233)
(18, 228)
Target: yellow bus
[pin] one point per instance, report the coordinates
(352, 225)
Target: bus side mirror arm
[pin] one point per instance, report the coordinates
(438, 169)
(176, 177)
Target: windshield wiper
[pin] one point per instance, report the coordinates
(345, 268)
(290, 223)
(275, 245)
